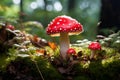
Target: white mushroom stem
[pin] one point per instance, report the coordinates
(64, 44)
(92, 54)
(71, 57)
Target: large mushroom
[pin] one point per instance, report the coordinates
(64, 26)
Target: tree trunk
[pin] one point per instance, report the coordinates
(21, 16)
(109, 16)
(71, 5)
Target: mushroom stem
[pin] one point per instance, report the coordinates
(64, 44)
(71, 58)
(92, 54)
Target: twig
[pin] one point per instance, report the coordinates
(37, 67)
(39, 70)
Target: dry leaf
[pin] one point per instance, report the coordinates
(52, 45)
(40, 51)
(36, 38)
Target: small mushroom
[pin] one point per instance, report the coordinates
(11, 27)
(64, 26)
(94, 46)
(70, 53)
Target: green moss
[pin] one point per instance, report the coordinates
(20, 64)
(98, 71)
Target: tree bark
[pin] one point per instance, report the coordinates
(110, 15)
(71, 5)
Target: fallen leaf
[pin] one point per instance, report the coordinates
(36, 38)
(40, 51)
(52, 45)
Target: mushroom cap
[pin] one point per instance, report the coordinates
(95, 46)
(11, 27)
(71, 51)
(63, 24)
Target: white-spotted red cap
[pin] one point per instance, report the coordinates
(94, 46)
(71, 51)
(64, 24)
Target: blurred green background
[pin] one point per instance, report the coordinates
(42, 12)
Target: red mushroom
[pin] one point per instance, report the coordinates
(70, 53)
(94, 46)
(11, 27)
(64, 26)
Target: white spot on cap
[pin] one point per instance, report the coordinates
(69, 24)
(55, 27)
(60, 28)
(51, 23)
(48, 24)
(58, 22)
